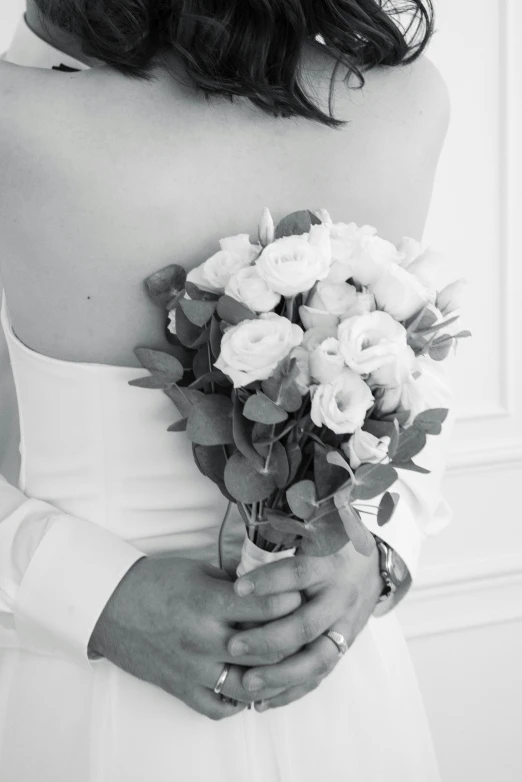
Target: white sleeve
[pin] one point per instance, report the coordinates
(57, 573)
(421, 510)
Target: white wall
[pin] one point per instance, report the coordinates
(463, 618)
(10, 11)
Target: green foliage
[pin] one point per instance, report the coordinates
(296, 223)
(328, 538)
(165, 284)
(232, 312)
(260, 408)
(164, 368)
(210, 421)
(373, 479)
(244, 482)
(197, 312)
(386, 508)
(302, 499)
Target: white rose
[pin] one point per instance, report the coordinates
(247, 287)
(343, 404)
(372, 258)
(326, 361)
(172, 321)
(266, 228)
(293, 264)
(335, 298)
(400, 293)
(345, 239)
(303, 379)
(409, 249)
(364, 302)
(313, 318)
(313, 337)
(374, 344)
(253, 349)
(236, 253)
(364, 448)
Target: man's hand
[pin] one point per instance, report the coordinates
(169, 623)
(292, 653)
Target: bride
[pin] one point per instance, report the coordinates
(135, 134)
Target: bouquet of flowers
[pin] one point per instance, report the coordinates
(293, 365)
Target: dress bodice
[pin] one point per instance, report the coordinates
(98, 448)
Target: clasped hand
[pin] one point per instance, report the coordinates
(175, 622)
(292, 653)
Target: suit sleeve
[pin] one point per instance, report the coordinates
(421, 510)
(57, 573)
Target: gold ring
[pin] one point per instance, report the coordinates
(222, 679)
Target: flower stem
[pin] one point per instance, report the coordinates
(220, 537)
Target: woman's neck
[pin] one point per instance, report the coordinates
(54, 35)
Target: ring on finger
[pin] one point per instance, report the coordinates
(222, 679)
(339, 640)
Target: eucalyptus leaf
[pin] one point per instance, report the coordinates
(183, 398)
(295, 457)
(211, 461)
(285, 523)
(328, 477)
(261, 409)
(202, 363)
(335, 458)
(360, 536)
(200, 294)
(302, 499)
(373, 479)
(178, 426)
(387, 507)
(278, 466)
(278, 538)
(232, 311)
(378, 428)
(411, 442)
(160, 364)
(244, 482)
(151, 381)
(430, 421)
(288, 397)
(216, 336)
(294, 224)
(187, 332)
(409, 465)
(198, 312)
(439, 352)
(216, 376)
(165, 283)
(210, 421)
(329, 536)
(242, 430)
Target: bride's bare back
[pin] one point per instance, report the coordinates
(106, 179)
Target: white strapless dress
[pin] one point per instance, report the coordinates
(98, 448)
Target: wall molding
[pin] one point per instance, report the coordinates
(485, 456)
(478, 594)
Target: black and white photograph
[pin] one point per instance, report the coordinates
(260, 372)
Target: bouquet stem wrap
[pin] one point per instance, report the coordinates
(253, 557)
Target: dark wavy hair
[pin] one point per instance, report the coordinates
(248, 48)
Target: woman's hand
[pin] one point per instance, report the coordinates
(169, 622)
(293, 653)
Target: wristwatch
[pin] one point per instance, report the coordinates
(393, 569)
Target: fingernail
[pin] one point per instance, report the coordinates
(238, 648)
(245, 587)
(261, 706)
(255, 683)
